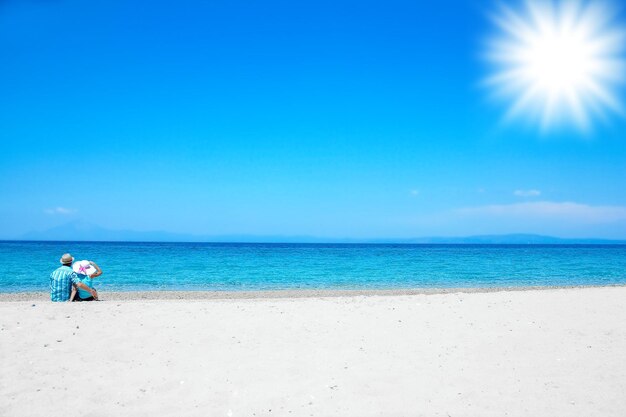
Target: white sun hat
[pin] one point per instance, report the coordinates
(83, 268)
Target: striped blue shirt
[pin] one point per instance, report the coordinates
(61, 280)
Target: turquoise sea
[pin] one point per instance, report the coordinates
(25, 266)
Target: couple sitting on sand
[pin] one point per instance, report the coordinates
(74, 281)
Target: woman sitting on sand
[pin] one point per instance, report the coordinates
(87, 271)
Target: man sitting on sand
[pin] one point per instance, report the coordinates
(64, 278)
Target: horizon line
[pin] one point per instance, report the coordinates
(565, 242)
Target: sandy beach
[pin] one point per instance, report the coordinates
(553, 352)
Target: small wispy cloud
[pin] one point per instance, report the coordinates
(582, 213)
(60, 210)
(527, 193)
(414, 192)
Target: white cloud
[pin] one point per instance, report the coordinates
(582, 213)
(60, 210)
(527, 193)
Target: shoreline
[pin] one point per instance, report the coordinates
(278, 294)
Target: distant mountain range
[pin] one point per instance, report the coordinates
(512, 239)
(83, 231)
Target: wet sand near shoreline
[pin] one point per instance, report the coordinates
(305, 293)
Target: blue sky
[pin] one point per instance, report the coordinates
(337, 119)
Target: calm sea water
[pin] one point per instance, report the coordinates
(25, 266)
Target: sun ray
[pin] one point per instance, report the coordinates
(557, 63)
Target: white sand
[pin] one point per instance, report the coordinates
(524, 353)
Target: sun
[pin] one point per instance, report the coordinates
(557, 63)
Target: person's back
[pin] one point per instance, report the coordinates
(61, 280)
(85, 279)
(87, 271)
